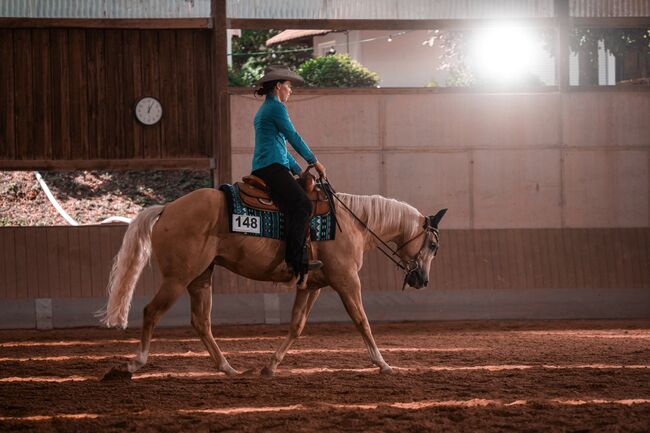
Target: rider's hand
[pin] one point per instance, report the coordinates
(320, 168)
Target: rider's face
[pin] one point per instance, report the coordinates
(283, 90)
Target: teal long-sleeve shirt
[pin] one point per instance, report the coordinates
(272, 127)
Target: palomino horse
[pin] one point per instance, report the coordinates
(191, 234)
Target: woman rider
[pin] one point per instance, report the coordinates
(275, 165)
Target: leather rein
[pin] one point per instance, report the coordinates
(407, 267)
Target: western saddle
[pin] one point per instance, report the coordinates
(253, 193)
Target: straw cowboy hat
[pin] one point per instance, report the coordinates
(281, 73)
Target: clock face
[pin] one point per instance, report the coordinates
(148, 110)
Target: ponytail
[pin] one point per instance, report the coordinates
(267, 88)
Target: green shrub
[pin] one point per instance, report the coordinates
(235, 79)
(337, 70)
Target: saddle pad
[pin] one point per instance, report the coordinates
(270, 224)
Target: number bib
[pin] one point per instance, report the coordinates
(246, 224)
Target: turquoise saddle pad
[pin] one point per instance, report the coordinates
(270, 224)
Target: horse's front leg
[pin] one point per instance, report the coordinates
(350, 293)
(301, 307)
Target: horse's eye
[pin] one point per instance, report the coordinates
(433, 246)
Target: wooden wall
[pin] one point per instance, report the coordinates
(68, 94)
(74, 262)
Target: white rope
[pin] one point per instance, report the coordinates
(64, 214)
(55, 203)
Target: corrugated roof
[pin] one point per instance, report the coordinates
(388, 9)
(609, 8)
(105, 8)
(321, 9)
(291, 35)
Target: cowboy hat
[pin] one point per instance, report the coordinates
(279, 73)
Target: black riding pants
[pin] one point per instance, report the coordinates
(294, 204)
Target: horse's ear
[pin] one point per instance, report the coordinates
(435, 219)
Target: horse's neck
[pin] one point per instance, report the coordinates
(387, 229)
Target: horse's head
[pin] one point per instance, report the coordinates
(418, 255)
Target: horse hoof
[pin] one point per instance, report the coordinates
(249, 372)
(386, 370)
(267, 372)
(117, 373)
(232, 372)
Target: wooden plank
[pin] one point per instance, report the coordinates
(96, 264)
(30, 267)
(108, 164)
(78, 87)
(7, 131)
(63, 257)
(105, 248)
(53, 258)
(151, 135)
(60, 137)
(23, 93)
(75, 254)
(220, 102)
(113, 106)
(459, 268)
(578, 252)
(499, 253)
(4, 251)
(96, 80)
(188, 116)
(85, 263)
(480, 272)
(568, 273)
(41, 100)
(169, 93)
(203, 91)
(112, 23)
(132, 88)
(39, 262)
(641, 247)
(11, 253)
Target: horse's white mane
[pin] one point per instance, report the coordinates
(380, 212)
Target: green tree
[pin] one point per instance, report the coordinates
(624, 44)
(337, 70)
(250, 55)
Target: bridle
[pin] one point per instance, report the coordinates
(408, 267)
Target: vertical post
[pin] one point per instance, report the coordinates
(221, 152)
(563, 25)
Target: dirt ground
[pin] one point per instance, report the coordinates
(558, 376)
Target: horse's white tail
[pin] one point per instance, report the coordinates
(127, 266)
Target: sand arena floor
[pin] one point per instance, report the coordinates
(569, 376)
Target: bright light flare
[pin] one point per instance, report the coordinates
(504, 54)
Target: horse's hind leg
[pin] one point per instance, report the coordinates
(169, 291)
(201, 300)
(351, 296)
(301, 307)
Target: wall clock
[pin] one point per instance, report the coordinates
(148, 110)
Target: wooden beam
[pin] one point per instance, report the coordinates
(457, 24)
(118, 23)
(109, 164)
(562, 44)
(611, 22)
(220, 98)
(298, 91)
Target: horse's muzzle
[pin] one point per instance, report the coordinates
(417, 279)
